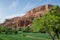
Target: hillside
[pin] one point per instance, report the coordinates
(28, 17)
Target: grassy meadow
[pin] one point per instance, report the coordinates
(25, 36)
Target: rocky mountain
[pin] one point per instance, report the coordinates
(28, 17)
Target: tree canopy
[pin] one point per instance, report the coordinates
(50, 22)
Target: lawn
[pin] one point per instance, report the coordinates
(25, 36)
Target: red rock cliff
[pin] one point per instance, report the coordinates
(27, 19)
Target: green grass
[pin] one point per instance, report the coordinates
(28, 36)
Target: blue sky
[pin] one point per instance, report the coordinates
(13, 8)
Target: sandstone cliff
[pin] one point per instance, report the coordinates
(27, 19)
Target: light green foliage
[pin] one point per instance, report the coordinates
(36, 26)
(49, 21)
(26, 29)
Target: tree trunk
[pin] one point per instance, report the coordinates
(52, 38)
(57, 35)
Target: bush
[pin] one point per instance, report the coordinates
(42, 30)
(27, 29)
(1, 39)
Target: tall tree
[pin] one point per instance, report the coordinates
(50, 22)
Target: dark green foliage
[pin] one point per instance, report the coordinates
(0, 30)
(20, 29)
(42, 30)
(27, 29)
(8, 30)
(15, 30)
(1, 39)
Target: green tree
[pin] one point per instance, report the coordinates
(3, 29)
(0, 30)
(36, 26)
(50, 22)
(15, 30)
(27, 29)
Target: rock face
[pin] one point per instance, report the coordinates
(27, 19)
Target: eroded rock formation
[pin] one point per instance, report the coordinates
(27, 19)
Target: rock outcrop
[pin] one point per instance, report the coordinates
(27, 19)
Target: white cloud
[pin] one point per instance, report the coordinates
(15, 15)
(2, 18)
(13, 4)
(30, 6)
(27, 7)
